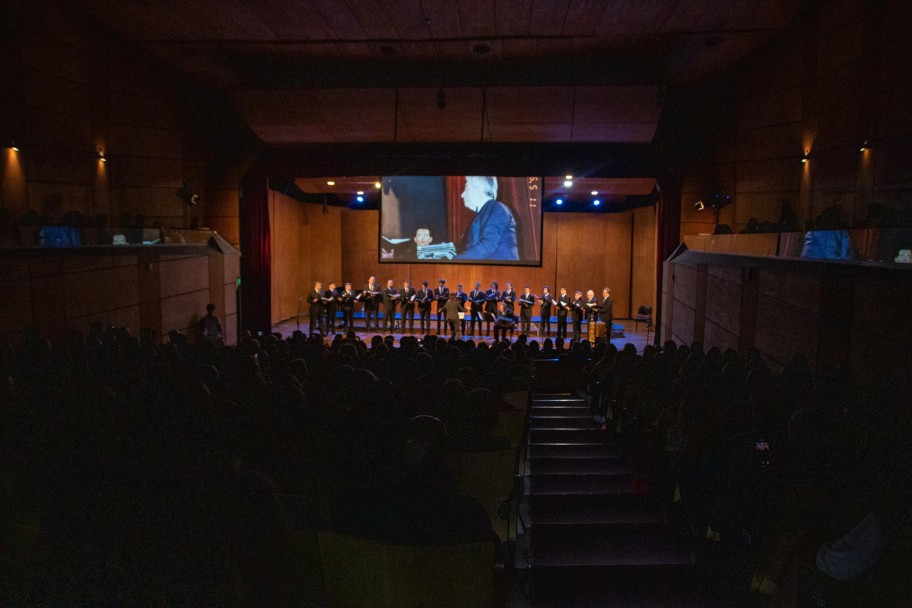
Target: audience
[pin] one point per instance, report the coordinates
(137, 473)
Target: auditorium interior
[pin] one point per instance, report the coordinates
(734, 430)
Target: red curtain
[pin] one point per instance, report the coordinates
(256, 287)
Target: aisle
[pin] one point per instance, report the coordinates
(594, 542)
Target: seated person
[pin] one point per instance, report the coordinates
(417, 503)
(506, 320)
(474, 428)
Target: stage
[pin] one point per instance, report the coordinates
(635, 336)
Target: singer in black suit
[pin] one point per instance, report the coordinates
(370, 295)
(508, 297)
(476, 299)
(315, 299)
(330, 306)
(606, 313)
(407, 307)
(563, 307)
(390, 298)
(545, 312)
(424, 297)
(492, 297)
(526, 302)
(577, 310)
(441, 294)
(347, 305)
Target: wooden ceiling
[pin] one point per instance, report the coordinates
(342, 71)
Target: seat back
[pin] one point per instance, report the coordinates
(644, 311)
(488, 477)
(363, 573)
(512, 425)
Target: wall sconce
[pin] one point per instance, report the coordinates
(699, 206)
(864, 147)
(12, 146)
(101, 156)
(804, 158)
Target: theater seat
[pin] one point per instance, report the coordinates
(489, 478)
(363, 573)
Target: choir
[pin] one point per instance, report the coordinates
(491, 307)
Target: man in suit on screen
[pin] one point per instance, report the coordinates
(492, 234)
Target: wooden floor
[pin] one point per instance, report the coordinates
(637, 338)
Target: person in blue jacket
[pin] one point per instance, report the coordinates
(492, 234)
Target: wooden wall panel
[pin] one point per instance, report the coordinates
(838, 77)
(644, 261)
(82, 89)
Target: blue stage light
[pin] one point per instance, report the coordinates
(359, 198)
(559, 201)
(596, 202)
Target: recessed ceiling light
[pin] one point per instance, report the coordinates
(594, 193)
(568, 183)
(330, 183)
(378, 185)
(359, 192)
(568, 176)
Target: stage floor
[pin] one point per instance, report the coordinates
(637, 338)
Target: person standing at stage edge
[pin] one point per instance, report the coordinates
(424, 297)
(476, 299)
(441, 294)
(526, 302)
(407, 307)
(544, 322)
(563, 307)
(390, 297)
(371, 303)
(606, 313)
(315, 299)
(347, 304)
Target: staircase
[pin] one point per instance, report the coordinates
(594, 542)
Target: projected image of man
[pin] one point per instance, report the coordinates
(492, 234)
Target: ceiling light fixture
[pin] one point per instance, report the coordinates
(330, 183)
(594, 193)
(359, 192)
(568, 183)
(378, 185)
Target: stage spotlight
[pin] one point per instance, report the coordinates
(378, 185)
(559, 202)
(594, 193)
(699, 206)
(568, 183)
(568, 176)
(359, 198)
(596, 202)
(360, 192)
(330, 183)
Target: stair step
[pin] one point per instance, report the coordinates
(593, 509)
(622, 587)
(580, 484)
(641, 545)
(560, 410)
(563, 423)
(566, 400)
(567, 436)
(571, 451)
(579, 466)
